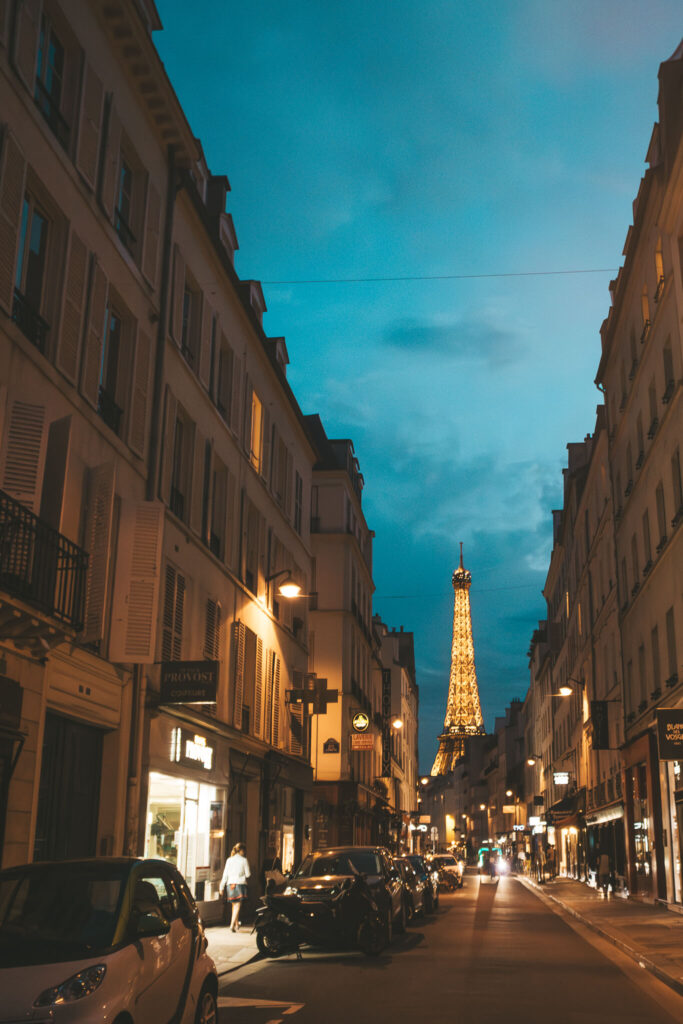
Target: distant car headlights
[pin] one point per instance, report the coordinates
(502, 867)
(78, 986)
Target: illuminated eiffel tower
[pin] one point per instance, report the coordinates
(463, 712)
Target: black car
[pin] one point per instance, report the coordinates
(414, 888)
(374, 862)
(430, 876)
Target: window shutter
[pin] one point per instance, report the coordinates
(173, 617)
(197, 493)
(262, 556)
(276, 701)
(90, 124)
(213, 629)
(24, 455)
(296, 741)
(111, 162)
(230, 521)
(97, 542)
(12, 175)
(26, 32)
(152, 228)
(178, 293)
(258, 688)
(167, 447)
(238, 638)
(205, 344)
(136, 591)
(236, 405)
(288, 485)
(92, 356)
(265, 445)
(138, 409)
(246, 430)
(72, 308)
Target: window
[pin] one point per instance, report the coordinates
(29, 283)
(661, 516)
(669, 380)
(656, 678)
(224, 384)
(640, 440)
(659, 270)
(634, 561)
(255, 453)
(173, 615)
(677, 485)
(219, 490)
(49, 88)
(645, 313)
(181, 466)
(642, 676)
(652, 398)
(647, 544)
(124, 204)
(298, 501)
(109, 372)
(672, 658)
(212, 360)
(213, 647)
(251, 545)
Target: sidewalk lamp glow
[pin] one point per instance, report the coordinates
(288, 587)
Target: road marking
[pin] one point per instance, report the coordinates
(284, 1006)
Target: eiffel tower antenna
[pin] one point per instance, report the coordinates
(463, 711)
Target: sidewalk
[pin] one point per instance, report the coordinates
(231, 950)
(650, 934)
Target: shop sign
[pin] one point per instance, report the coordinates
(561, 778)
(191, 749)
(508, 808)
(360, 722)
(600, 720)
(670, 730)
(518, 828)
(189, 682)
(331, 746)
(534, 820)
(10, 703)
(425, 819)
(362, 741)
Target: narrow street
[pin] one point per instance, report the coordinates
(493, 952)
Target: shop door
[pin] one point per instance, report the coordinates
(678, 853)
(69, 795)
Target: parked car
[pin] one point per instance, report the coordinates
(372, 861)
(108, 940)
(414, 888)
(430, 876)
(447, 862)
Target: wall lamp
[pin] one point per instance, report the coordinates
(532, 759)
(288, 587)
(397, 723)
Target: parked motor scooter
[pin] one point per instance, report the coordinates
(448, 880)
(344, 913)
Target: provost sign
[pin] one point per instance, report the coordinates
(188, 682)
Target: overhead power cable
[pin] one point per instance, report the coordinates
(442, 277)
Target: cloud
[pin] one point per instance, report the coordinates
(466, 339)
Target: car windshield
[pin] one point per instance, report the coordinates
(59, 912)
(350, 862)
(449, 861)
(418, 864)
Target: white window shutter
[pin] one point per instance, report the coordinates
(111, 162)
(173, 615)
(24, 453)
(136, 589)
(167, 447)
(276, 701)
(90, 126)
(94, 338)
(151, 234)
(258, 688)
(262, 556)
(12, 176)
(205, 344)
(238, 639)
(73, 298)
(296, 734)
(138, 410)
(265, 445)
(178, 295)
(101, 486)
(288, 485)
(197, 492)
(26, 31)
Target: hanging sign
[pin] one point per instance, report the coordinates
(360, 721)
(670, 732)
(561, 778)
(188, 682)
(362, 741)
(508, 808)
(600, 720)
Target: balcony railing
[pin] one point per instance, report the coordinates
(50, 110)
(29, 321)
(39, 565)
(110, 412)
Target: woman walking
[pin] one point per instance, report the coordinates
(235, 875)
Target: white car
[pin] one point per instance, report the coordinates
(111, 940)
(446, 862)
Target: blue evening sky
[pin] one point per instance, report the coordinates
(417, 138)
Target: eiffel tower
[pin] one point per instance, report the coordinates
(463, 712)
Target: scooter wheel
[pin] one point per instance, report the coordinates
(271, 942)
(371, 936)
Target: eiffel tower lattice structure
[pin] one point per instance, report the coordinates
(463, 712)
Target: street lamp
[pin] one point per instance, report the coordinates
(289, 587)
(397, 723)
(532, 759)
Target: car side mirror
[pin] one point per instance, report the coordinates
(149, 925)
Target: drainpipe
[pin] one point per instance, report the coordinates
(172, 187)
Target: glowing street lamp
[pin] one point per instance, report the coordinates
(289, 587)
(397, 723)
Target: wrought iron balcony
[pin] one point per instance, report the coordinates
(39, 565)
(29, 321)
(110, 412)
(50, 110)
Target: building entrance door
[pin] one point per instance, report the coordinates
(69, 795)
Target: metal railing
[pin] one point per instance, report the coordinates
(29, 321)
(39, 565)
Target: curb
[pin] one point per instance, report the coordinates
(640, 958)
(238, 967)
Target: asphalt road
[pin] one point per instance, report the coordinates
(493, 953)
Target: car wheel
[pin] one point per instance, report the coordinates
(270, 941)
(409, 910)
(389, 928)
(207, 1008)
(400, 923)
(372, 935)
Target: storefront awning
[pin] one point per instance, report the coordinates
(605, 814)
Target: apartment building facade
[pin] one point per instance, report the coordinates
(155, 473)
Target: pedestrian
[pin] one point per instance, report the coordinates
(234, 880)
(550, 858)
(604, 872)
(492, 864)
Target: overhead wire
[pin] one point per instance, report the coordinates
(441, 277)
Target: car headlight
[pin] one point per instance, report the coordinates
(78, 986)
(291, 890)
